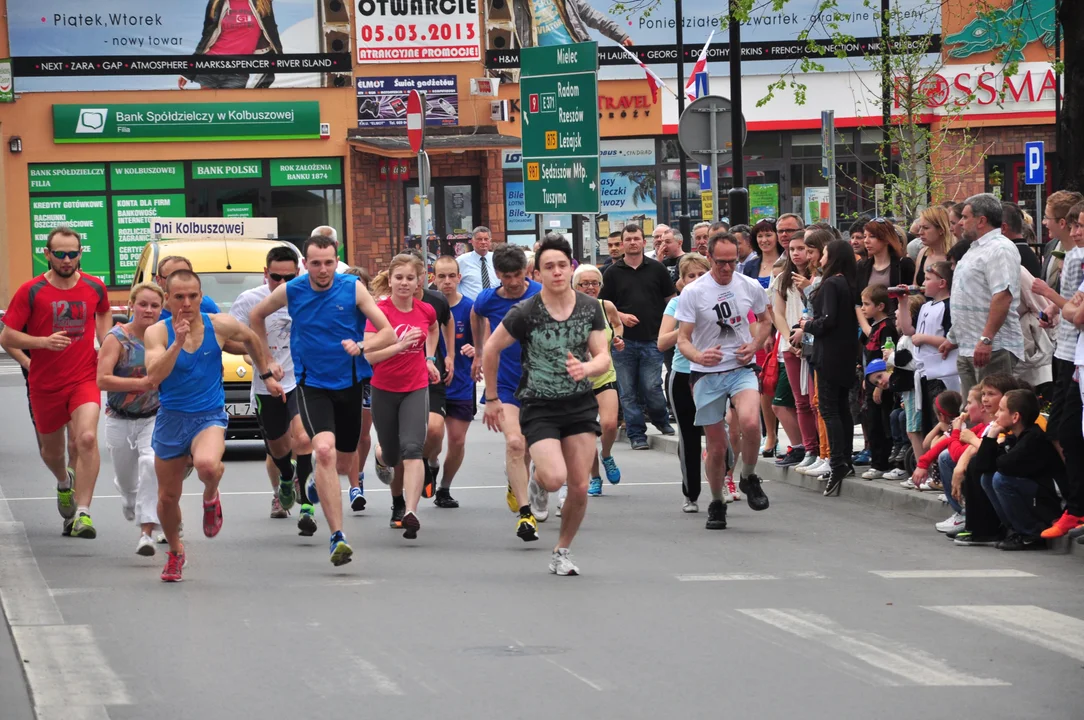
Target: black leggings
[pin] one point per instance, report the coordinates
(401, 421)
(835, 410)
(689, 434)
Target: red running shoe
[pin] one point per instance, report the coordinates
(411, 526)
(212, 516)
(175, 563)
(1063, 525)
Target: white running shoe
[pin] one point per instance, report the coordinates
(955, 522)
(908, 485)
(808, 461)
(872, 474)
(730, 490)
(817, 468)
(539, 499)
(561, 563)
(690, 507)
(145, 546)
(897, 474)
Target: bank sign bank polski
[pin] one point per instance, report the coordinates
(985, 90)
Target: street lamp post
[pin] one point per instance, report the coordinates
(684, 222)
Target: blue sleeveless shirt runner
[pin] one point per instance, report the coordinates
(192, 397)
(322, 320)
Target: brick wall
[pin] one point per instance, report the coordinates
(961, 161)
(370, 222)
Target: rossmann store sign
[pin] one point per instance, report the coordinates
(985, 90)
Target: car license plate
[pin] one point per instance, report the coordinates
(239, 410)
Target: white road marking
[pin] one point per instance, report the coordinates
(1061, 633)
(899, 663)
(66, 668)
(724, 577)
(551, 661)
(380, 682)
(23, 591)
(949, 574)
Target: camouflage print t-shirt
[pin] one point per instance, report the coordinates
(546, 343)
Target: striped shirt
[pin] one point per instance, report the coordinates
(992, 265)
(1072, 272)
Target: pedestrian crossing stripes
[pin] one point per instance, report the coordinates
(949, 574)
(1061, 633)
(884, 661)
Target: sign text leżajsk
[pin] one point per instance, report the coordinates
(395, 31)
(559, 101)
(179, 122)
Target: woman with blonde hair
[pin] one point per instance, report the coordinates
(935, 232)
(131, 406)
(588, 280)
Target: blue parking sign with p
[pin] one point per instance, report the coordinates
(1034, 163)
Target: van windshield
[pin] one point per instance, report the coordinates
(224, 287)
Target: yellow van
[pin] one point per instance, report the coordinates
(227, 267)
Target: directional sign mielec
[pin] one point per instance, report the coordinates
(559, 98)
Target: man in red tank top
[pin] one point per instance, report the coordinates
(62, 311)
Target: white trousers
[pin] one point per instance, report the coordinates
(129, 443)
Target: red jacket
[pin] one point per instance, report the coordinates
(952, 443)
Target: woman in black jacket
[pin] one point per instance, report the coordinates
(834, 327)
(887, 263)
(238, 27)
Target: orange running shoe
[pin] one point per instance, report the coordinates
(1062, 526)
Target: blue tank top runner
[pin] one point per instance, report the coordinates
(322, 319)
(195, 385)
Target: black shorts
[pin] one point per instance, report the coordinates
(334, 411)
(557, 419)
(438, 398)
(604, 388)
(367, 393)
(464, 410)
(1059, 406)
(274, 415)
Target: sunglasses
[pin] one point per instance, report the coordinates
(280, 278)
(65, 254)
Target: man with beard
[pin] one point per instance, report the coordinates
(62, 311)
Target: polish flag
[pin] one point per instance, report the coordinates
(701, 66)
(653, 80)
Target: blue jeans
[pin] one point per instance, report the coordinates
(639, 372)
(899, 427)
(946, 466)
(1013, 499)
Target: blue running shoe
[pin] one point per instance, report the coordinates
(613, 473)
(595, 488)
(357, 499)
(310, 490)
(340, 552)
(860, 458)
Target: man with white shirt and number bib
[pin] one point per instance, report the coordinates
(719, 342)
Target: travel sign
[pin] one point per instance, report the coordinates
(560, 133)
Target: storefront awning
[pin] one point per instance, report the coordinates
(437, 140)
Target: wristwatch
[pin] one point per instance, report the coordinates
(432, 359)
(986, 341)
(264, 376)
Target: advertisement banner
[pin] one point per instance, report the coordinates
(131, 228)
(382, 100)
(517, 218)
(237, 210)
(429, 32)
(7, 84)
(86, 215)
(770, 37)
(306, 171)
(75, 177)
(146, 176)
(181, 122)
(627, 153)
(74, 45)
(763, 201)
(629, 196)
(815, 205)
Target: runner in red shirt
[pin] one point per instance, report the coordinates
(62, 311)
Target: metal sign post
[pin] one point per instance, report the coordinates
(1035, 174)
(416, 134)
(705, 133)
(828, 159)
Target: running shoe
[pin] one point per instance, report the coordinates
(285, 495)
(411, 525)
(127, 504)
(872, 474)
(383, 472)
(754, 493)
(594, 488)
(809, 460)
(613, 473)
(716, 515)
(931, 486)
(83, 527)
(793, 456)
(527, 528)
(898, 474)
(430, 486)
(212, 516)
(860, 458)
(65, 497)
(690, 506)
(175, 563)
(561, 563)
(968, 538)
(539, 499)
(510, 498)
(638, 444)
(277, 511)
(306, 523)
(444, 499)
(1016, 541)
(357, 499)
(816, 468)
(730, 490)
(145, 546)
(1063, 525)
(311, 493)
(396, 521)
(66, 530)
(340, 552)
(956, 522)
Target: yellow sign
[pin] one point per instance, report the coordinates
(551, 139)
(707, 205)
(532, 171)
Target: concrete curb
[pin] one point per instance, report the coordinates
(884, 494)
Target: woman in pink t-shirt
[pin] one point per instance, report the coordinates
(236, 27)
(400, 387)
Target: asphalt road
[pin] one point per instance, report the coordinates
(787, 614)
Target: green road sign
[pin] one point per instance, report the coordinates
(559, 122)
(563, 185)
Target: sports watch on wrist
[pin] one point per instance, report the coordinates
(264, 376)
(432, 359)
(986, 341)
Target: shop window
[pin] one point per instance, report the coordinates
(763, 145)
(998, 174)
(808, 145)
(300, 210)
(809, 189)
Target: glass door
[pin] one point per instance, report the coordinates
(454, 211)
